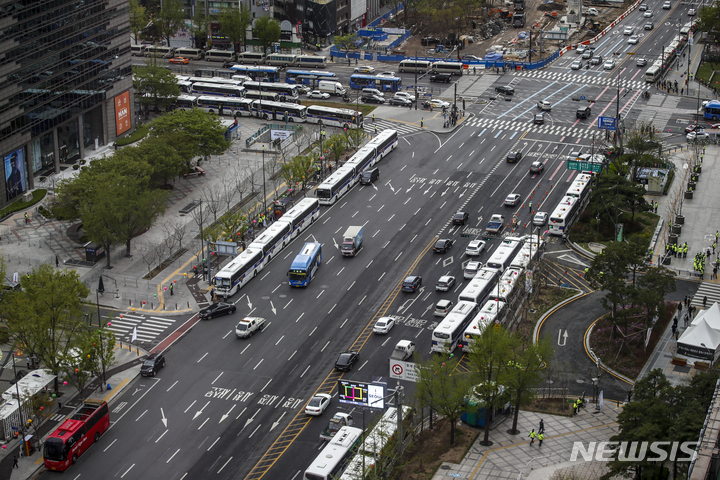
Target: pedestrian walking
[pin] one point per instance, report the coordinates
(15, 462)
(57, 261)
(532, 436)
(574, 408)
(373, 118)
(541, 428)
(195, 270)
(375, 129)
(422, 122)
(27, 219)
(541, 437)
(171, 290)
(529, 207)
(28, 363)
(704, 301)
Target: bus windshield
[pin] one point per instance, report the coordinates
(53, 449)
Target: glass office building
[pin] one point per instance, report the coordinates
(65, 85)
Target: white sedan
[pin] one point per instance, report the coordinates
(318, 94)
(437, 103)
(544, 105)
(648, 14)
(609, 65)
(697, 136)
(318, 404)
(384, 325)
(386, 74)
(633, 40)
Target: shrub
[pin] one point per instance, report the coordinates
(140, 132)
(38, 195)
(668, 182)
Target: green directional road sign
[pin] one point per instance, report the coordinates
(584, 166)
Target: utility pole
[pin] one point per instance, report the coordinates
(399, 393)
(202, 246)
(416, 94)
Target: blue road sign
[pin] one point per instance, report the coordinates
(607, 123)
(582, 97)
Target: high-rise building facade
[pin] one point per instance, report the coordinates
(65, 85)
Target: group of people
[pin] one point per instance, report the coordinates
(540, 435)
(577, 405)
(668, 85)
(677, 251)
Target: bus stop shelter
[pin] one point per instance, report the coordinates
(34, 383)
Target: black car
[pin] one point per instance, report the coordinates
(505, 89)
(373, 99)
(460, 218)
(538, 119)
(514, 157)
(441, 77)
(596, 60)
(217, 310)
(403, 102)
(537, 167)
(411, 283)
(346, 360)
(582, 112)
(152, 364)
(442, 245)
(429, 41)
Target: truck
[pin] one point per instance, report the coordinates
(496, 223)
(352, 241)
(339, 420)
(518, 20)
(403, 350)
(333, 88)
(519, 5)
(248, 326)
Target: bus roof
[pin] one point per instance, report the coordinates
(304, 258)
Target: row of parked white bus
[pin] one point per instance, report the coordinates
(217, 55)
(277, 236)
(486, 299)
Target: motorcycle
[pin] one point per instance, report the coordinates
(346, 98)
(427, 106)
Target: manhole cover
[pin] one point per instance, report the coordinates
(265, 298)
(283, 296)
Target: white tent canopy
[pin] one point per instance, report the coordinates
(699, 340)
(711, 316)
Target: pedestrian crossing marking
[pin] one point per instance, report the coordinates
(146, 329)
(495, 123)
(402, 128)
(710, 290)
(567, 77)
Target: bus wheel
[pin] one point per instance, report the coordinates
(254, 273)
(97, 436)
(290, 119)
(265, 116)
(320, 122)
(74, 459)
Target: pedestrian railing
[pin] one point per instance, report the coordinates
(273, 126)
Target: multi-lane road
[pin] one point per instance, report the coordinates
(222, 403)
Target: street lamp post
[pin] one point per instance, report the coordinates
(263, 169)
(617, 105)
(416, 93)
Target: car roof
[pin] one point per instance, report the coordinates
(537, 162)
(476, 242)
(410, 278)
(443, 302)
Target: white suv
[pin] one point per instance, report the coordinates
(475, 247)
(405, 95)
(471, 269)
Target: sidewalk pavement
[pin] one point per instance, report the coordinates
(125, 368)
(512, 455)
(685, 69)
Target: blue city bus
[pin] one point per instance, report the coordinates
(307, 77)
(303, 268)
(384, 84)
(712, 110)
(258, 73)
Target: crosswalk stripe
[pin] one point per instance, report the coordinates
(162, 324)
(707, 289)
(382, 124)
(567, 77)
(171, 320)
(125, 315)
(545, 130)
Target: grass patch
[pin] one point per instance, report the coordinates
(546, 299)
(140, 132)
(431, 448)
(586, 230)
(38, 195)
(706, 70)
(668, 182)
(628, 357)
(361, 107)
(550, 406)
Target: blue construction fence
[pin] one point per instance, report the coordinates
(512, 65)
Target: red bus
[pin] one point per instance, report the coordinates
(75, 435)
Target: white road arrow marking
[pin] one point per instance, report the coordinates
(446, 190)
(201, 410)
(164, 420)
(391, 187)
(564, 337)
(272, 307)
(336, 244)
(374, 186)
(226, 415)
(275, 424)
(250, 420)
(249, 304)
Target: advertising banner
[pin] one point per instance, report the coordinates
(122, 113)
(15, 174)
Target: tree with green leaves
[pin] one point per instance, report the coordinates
(336, 145)
(99, 345)
(489, 355)
(442, 390)
(154, 85)
(45, 318)
(346, 43)
(170, 18)
(355, 137)
(267, 31)
(609, 269)
(199, 26)
(709, 19)
(234, 23)
(138, 19)
(652, 288)
(297, 171)
(166, 163)
(191, 133)
(525, 372)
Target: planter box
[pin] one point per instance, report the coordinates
(701, 366)
(688, 195)
(679, 361)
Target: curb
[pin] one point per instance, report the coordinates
(552, 310)
(597, 360)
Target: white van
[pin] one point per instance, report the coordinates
(333, 88)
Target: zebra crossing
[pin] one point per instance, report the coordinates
(561, 131)
(574, 78)
(402, 128)
(58, 417)
(709, 290)
(148, 328)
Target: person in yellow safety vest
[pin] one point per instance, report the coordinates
(579, 402)
(575, 408)
(541, 437)
(532, 436)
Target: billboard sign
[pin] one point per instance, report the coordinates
(15, 182)
(122, 113)
(370, 395)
